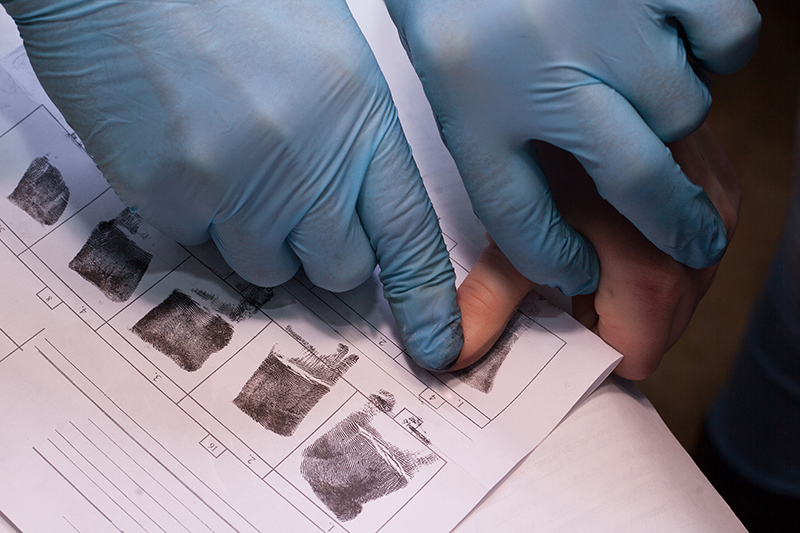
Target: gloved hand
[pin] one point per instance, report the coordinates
(263, 124)
(608, 81)
(644, 299)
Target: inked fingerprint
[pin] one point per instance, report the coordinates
(281, 392)
(129, 221)
(481, 375)
(110, 260)
(42, 192)
(253, 298)
(256, 295)
(184, 330)
(353, 464)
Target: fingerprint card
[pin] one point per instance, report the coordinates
(108, 256)
(278, 390)
(362, 466)
(492, 384)
(45, 178)
(191, 322)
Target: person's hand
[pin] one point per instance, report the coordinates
(644, 299)
(266, 126)
(608, 81)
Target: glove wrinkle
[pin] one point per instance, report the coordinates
(256, 124)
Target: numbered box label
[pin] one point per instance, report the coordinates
(49, 298)
(430, 396)
(212, 446)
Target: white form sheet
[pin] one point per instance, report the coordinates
(144, 386)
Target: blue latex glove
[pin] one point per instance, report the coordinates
(609, 81)
(264, 125)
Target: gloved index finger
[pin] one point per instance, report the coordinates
(416, 273)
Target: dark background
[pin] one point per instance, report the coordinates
(754, 116)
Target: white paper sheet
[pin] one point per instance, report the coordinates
(612, 465)
(133, 370)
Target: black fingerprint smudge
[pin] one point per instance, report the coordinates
(42, 192)
(257, 295)
(253, 298)
(183, 330)
(110, 260)
(353, 464)
(281, 392)
(481, 375)
(129, 221)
